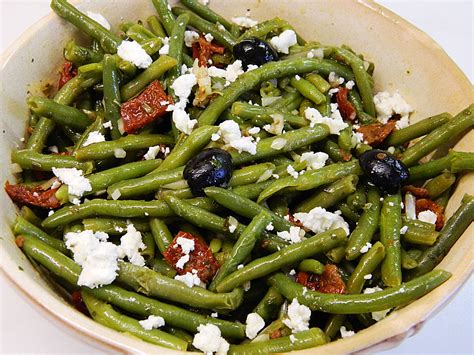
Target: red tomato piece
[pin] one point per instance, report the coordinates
(67, 73)
(346, 109)
(145, 108)
(330, 281)
(33, 196)
(200, 259)
(375, 133)
(203, 50)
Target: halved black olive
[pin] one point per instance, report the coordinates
(254, 51)
(211, 167)
(383, 170)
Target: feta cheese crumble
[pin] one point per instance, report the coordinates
(314, 160)
(130, 245)
(229, 131)
(209, 340)
(165, 49)
(253, 324)
(132, 51)
(365, 248)
(182, 87)
(298, 317)
(316, 53)
(427, 216)
(99, 18)
(93, 137)
(319, 220)
(387, 105)
(294, 235)
(191, 279)
(186, 244)
(233, 224)
(76, 183)
(208, 37)
(190, 37)
(346, 333)
(284, 41)
(152, 152)
(291, 170)
(244, 22)
(152, 322)
(277, 125)
(335, 123)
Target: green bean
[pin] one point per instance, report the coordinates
(96, 126)
(155, 26)
(132, 142)
(348, 212)
(335, 152)
(358, 199)
(366, 226)
(250, 174)
(417, 129)
(243, 247)
(362, 78)
(308, 90)
(161, 234)
(166, 16)
(319, 82)
(440, 184)
(408, 262)
(337, 254)
(305, 339)
(312, 178)
(23, 227)
(153, 72)
(161, 266)
(345, 138)
(193, 144)
(28, 214)
(139, 33)
(252, 191)
(415, 223)
(269, 305)
(311, 265)
(244, 207)
(451, 232)
(146, 184)
(251, 112)
(157, 285)
(149, 252)
(203, 26)
(390, 224)
(363, 303)
(101, 180)
(288, 102)
(61, 114)
(368, 263)
(453, 162)
(420, 236)
(268, 71)
(112, 98)
(121, 208)
(132, 302)
(293, 140)
(108, 41)
(81, 55)
(206, 13)
(176, 44)
(29, 159)
(104, 314)
(460, 123)
(114, 226)
(443, 199)
(285, 257)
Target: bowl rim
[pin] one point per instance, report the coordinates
(61, 314)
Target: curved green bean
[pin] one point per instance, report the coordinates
(390, 225)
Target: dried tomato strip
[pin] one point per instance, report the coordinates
(425, 204)
(68, 72)
(203, 50)
(33, 196)
(330, 281)
(419, 192)
(200, 259)
(145, 108)
(346, 109)
(375, 133)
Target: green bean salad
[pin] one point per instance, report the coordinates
(228, 187)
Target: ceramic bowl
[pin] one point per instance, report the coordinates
(406, 59)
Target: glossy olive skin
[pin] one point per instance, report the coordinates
(211, 167)
(254, 51)
(383, 170)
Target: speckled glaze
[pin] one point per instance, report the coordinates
(406, 59)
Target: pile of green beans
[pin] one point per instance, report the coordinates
(244, 223)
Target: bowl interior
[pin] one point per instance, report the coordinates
(405, 59)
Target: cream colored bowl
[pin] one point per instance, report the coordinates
(406, 59)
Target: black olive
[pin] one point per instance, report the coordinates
(211, 167)
(254, 51)
(383, 170)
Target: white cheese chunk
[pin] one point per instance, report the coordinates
(152, 152)
(244, 21)
(335, 123)
(346, 333)
(93, 137)
(209, 340)
(229, 131)
(152, 322)
(427, 216)
(365, 248)
(298, 317)
(130, 246)
(253, 324)
(284, 41)
(191, 279)
(165, 48)
(314, 160)
(186, 244)
(319, 220)
(294, 235)
(387, 105)
(132, 51)
(190, 37)
(77, 184)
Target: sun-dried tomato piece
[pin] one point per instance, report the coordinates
(346, 109)
(200, 259)
(330, 281)
(419, 192)
(33, 196)
(145, 108)
(425, 204)
(375, 133)
(68, 72)
(203, 50)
